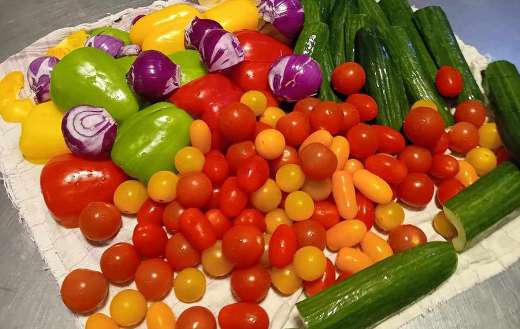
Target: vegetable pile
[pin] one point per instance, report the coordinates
(276, 146)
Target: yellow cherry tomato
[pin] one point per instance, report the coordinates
(309, 263)
(341, 147)
(200, 136)
(214, 262)
(271, 115)
(344, 194)
(256, 101)
(268, 197)
(425, 103)
(162, 186)
(128, 308)
(352, 260)
(189, 159)
(467, 174)
(235, 15)
(275, 218)
(285, 280)
(353, 165)
(270, 144)
(299, 206)
(319, 190)
(100, 321)
(160, 316)
(290, 177)
(189, 285)
(321, 136)
(389, 216)
(375, 247)
(264, 260)
(489, 136)
(482, 159)
(347, 233)
(130, 196)
(372, 186)
(443, 226)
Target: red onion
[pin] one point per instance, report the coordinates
(130, 50)
(196, 30)
(220, 50)
(286, 15)
(109, 44)
(136, 18)
(39, 76)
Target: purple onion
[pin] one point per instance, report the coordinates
(220, 50)
(136, 18)
(154, 76)
(295, 77)
(130, 50)
(89, 131)
(286, 16)
(109, 44)
(196, 30)
(39, 76)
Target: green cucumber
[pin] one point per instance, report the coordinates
(375, 13)
(327, 67)
(502, 85)
(383, 81)
(354, 23)
(383, 289)
(326, 7)
(312, 11)
(400, 13)
(480, 208)
(337, 23)
(417, 83)
(437, 33)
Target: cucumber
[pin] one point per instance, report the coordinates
(502, 85)
(370, 296)
(312, 12)
(383, 81)
(354, 23)
(375, 14)
(400, 13)
(438, 36)
(326, 7)
(337, 23)
(480, 208)
(417, 83)
(327, 67)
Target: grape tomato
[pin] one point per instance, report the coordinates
(282, 246)
(363, 141)
(151, 212)
(295, 127)
(387, 167)
(347, 233)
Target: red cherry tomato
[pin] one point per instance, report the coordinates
(326, 213)
(350, 116)
(238, 153)
(442, 144)
(348, 78)
(194, 190)
(119, 263)
(216, 167)
(180, 254)
(251, 216)
(154, 279)
(237, 122)
(260, 47)
(417, 159)
(423, 126)
(197, 229)
(219, 222)
(282, 246)
(149, 240)
(365, 104)
(214, 202)
(363, 141)
(243, 245)
(343, 276)
(366, 210)
(444, 166)
(328, 279)
(389, 140)
(271, 100)
(405, 237)
(83, 291)
(171, 215)
(289, 156)
(472, 111)
(448, 189)
(387, 167)
(250, 284)
(151, 212)
(70, 183)
(211, 117)
(251, 75)
(196, 317)
(306, 105)
(449, 81)
(232, 199)
(295, 127)
(502, 155)
(252, 174)
(99, 221)
(243, 316)
(318, 161)
(416, 190)
(463, 137)
(310, 233)
(327, 115)
(260, 126)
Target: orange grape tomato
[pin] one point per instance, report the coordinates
(128, 308)
(214, 262)
(100, 321)
(352, 260)
(405, 237)
(353, 165)
(83, 291)
(319, 190)
(99, 221)
(341, 148)
(319, 136)
(372, 186)
(189, 285)
(347, 233)
(196, 317)
(376, 247)
(129, 196)
(344, 194)
(200, 136)
(285, 280)
(160, 316)
(154, 278)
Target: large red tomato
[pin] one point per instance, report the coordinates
(251, 75)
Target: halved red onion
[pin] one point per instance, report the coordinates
(196, 30)
(286, 15)
(130, 50)
(220, 50)
(39, 76)
(109, 44)
(136, 18)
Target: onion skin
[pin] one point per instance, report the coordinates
(109, 44)
(39, 76)
(220, 50)
(287, 16)
(196, 30)
(130, 50)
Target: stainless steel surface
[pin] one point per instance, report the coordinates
(29, 296)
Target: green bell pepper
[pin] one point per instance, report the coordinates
(89, 76)
(148, 141)
(126, 62)
(109, 30)
(191, 65)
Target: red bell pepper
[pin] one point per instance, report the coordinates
(259, 47)
(251, 75)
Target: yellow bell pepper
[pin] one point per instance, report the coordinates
(73, 41)
(168, 38)
(235, 15)
(13, 109)
(144, 26)
(41, 137)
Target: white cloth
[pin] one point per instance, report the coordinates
(65, 249)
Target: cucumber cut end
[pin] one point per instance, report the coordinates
(459, 242)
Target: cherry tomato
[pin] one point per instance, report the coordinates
(196, 317)
(416, 190)
(171, 215)
(99, 221)
(501, 154)
(264, 260)
(151, 212)
(119, 262)
(197, 229)
(348, 78)
(160, 316)
(128, 308)
(417, 159)
(216, 167)
(100, 321)
(271, 116)
(389, 216)
(149, 240)
(448, 189)
(327, 280)
(366, 210)
(260, 126)
(463, 137)
(472, 111)
(252, 174)
(243, 245)
(180, 254)
(423, 126)
(255, 100)
(189, 285)
(260, 47)
(363, 141)
(444, 166)
(250, 284)
(387, 167)
(326, 213)
(162, 186)
(200, 135)
(275, 218)
(188, 159)
(130, 196)
(290, 178)
(449, 81)
(194, 190)
(243, 316)
(489, 136)
(309, 263)
(219, 222)
(327, 115)
(310, 233)
(214, 262)
(319, 190)
(214, 202)
(232, 199)
(270, 144)
(268, 197)
(285, 280)
(365, 104)
(295, 127)
(318, 161)
(289, 156)
(154, 279)
(481, 158)
(405, 237)
(389, 140)
(83, 291)
(306, 105)
(282, 246)
(351, 116)
(238, 153)
(251, 216)
(237, 122)
(251, 75)
(343, 276)
(442, 144)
